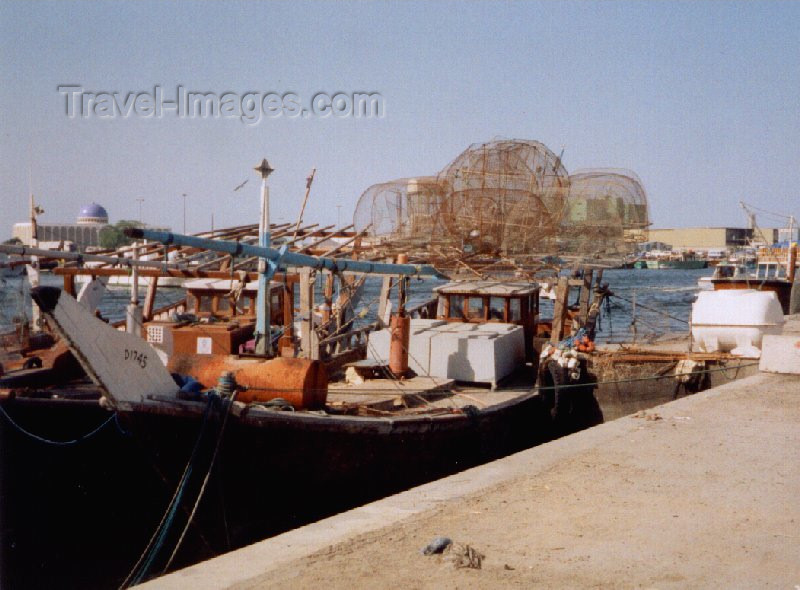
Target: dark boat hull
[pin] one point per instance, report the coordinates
(79, 516)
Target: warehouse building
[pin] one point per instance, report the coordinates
(705, 239)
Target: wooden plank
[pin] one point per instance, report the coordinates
(306, 312)
(159, 272)
(386, 289)
(586, 295)
(560, 309)
(150, 299)
(69, 285)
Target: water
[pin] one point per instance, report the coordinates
(663, 297)
(112, 307)
(669, 292)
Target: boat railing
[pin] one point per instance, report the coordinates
(160, 314)
(346, 344)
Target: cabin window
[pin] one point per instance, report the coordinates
(276, 301)
(475, 308)
(223, 304)
(204, 303)
(191, 302)
(497, 308)
(514, 310)
(456, 306)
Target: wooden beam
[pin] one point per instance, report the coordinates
(69, 285)
(172, 272)
(386, 289)
(344, 244)
(560, 309)
(150, 299)
(324, 231)
(586, 295)
(307, 315)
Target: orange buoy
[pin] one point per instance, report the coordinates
(301, 382)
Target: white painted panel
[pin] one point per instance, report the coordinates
(125, 366)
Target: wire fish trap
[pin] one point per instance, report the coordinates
(606, 214)
(506, 207)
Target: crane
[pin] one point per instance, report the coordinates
(751, 210)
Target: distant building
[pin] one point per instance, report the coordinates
(705, 239)
(83, 234)
(651, 246)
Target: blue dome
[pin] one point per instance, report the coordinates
(93, 212)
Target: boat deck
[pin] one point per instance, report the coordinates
(700, 492)
(420, 393)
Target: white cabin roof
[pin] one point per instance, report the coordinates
(225, 285)
(498, 288)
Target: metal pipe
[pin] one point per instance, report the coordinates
(287, 258)
(59, 255)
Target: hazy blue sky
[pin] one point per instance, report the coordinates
(700, 99)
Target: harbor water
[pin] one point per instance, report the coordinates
(663, 301)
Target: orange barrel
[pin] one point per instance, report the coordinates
(400, 334)
(301, 382)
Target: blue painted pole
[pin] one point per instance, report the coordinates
(282, 258)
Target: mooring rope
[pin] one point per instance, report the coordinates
(643, 306)
(202, 491)
(145, 561)
(62, 443)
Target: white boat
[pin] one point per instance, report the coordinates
(11, 267)
(726, 270)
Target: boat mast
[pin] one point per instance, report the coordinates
(33, 267)
(265, 268)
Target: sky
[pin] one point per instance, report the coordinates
(700, 99)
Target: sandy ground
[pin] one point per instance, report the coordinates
(703, 492)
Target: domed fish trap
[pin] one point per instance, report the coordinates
(505, 199)
(606, 215)
(401, 214)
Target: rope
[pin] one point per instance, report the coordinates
(677, 319)
(652, 378)
(202, 491)
(62, 443)
(145, 561)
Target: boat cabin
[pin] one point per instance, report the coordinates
(223, 299)
(491, 301)
(776, 269)
(220, 318)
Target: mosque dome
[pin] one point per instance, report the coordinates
(93, 213)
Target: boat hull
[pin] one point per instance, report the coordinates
(99, 501)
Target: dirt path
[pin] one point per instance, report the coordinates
(703, 492)
(706, 496)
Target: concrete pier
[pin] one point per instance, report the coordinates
(701, 492)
